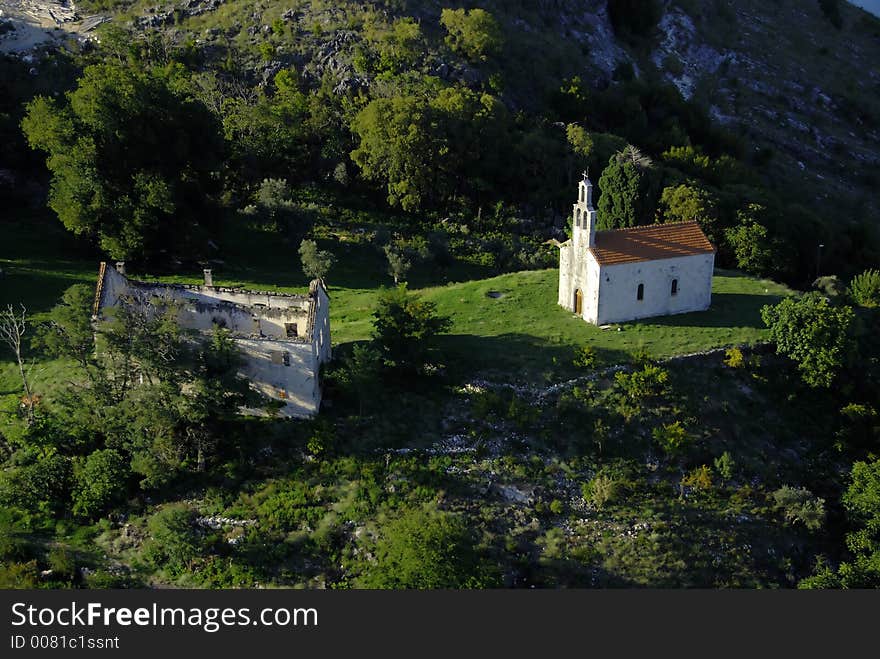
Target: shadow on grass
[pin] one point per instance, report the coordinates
(727, 310)
(516, 357)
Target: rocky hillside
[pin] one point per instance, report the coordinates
(804, 93)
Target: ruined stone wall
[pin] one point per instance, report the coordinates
(284, 338)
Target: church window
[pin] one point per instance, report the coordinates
(675, 286)
(640, 293)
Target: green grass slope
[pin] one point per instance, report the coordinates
(524, 333)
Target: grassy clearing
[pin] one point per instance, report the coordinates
(522, 334)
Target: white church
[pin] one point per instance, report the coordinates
(626, 274)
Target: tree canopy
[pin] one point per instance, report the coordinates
(814, 333)
(475, 33)
(430, 147)
(627, 196)
(404, 327)
(426, 549)
(135, 160)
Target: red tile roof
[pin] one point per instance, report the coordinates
(650, 243)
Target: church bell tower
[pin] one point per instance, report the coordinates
(584, 226)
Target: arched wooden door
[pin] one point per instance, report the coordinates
(578, 302)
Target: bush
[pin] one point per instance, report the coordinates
(671, 437)
(646, 383)
(864, 289)
(175, 541)
(600, 491)
(100, 480)
(725, 465)
(585, 357)
(426, 549)
(799, 505)
(733, 358)
(473, 33)
(700, 479)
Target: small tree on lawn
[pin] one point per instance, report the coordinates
(316, 263)
(399, 262)
(404, 327)
(13, 326)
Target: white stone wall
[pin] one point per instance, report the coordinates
(321, 332)
(619, 286)
(292, 379)
(591, 292)
(566, 296)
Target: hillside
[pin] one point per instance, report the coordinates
(777, 73)
(421, 161)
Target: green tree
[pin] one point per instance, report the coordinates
(399, 262)
(725, 465)
(627, 191)
(404, 328)
(864, 289)
(474, 33)
(134, 158)
(425, 549)
(815, 334)
(270, 135)
(431, 146)
(750, 240)
(316, 263)
(69, 332)
(99, 480)
(862, 504)
(36, 483)
(689, 203)
(362, 374)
